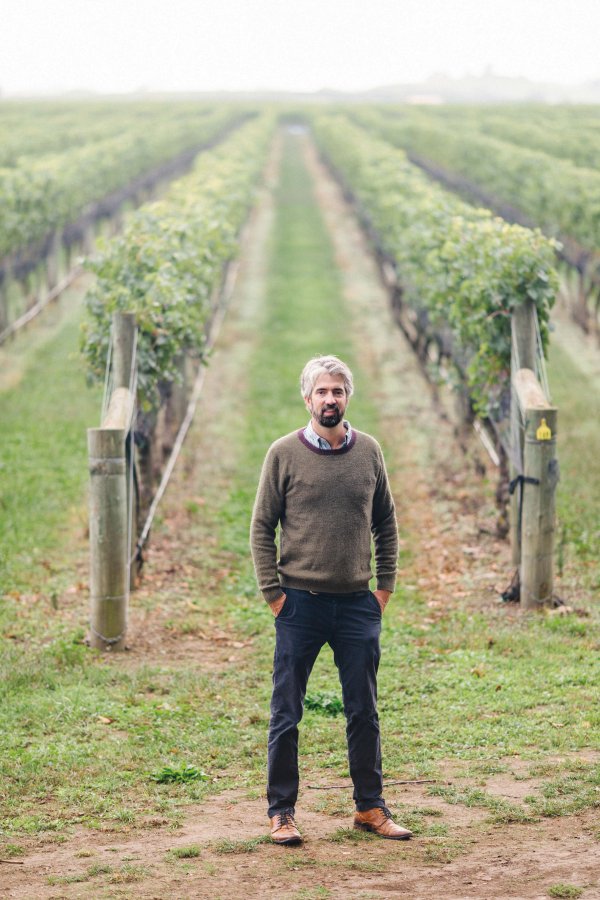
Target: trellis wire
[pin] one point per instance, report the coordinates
(130, 488)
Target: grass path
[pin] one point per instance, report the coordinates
(498, 711)
(45, 409)
(574, 377)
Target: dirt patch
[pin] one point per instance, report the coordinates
(226, 833)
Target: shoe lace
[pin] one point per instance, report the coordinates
(386, 812)
(286, 817)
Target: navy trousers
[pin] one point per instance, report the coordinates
(350, 624)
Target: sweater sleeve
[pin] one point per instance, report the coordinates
(385, 531)
(266, 515)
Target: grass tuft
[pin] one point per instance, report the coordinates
(247, 846)
(190, 852)
(565, 891)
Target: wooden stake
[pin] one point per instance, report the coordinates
(124, 329)
(522, 357)
(537, 545)
(540, 469)
(123, 342)
(108, 537)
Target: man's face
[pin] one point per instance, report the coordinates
(327, 403)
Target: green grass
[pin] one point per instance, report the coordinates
(227, 845)
(190, 852)
(468, 687)
(578, 493)
(565, 891)
(43, 465)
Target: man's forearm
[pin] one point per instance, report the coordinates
(266, 515)
(385, 539)
(264, 557)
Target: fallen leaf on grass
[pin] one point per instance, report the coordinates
(105, 720)
(449, 577)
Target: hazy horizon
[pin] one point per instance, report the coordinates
(111, 47)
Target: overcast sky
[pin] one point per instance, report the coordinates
(123, 45)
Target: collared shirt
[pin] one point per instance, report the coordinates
(317, 441)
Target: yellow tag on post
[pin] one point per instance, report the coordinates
(543, 433)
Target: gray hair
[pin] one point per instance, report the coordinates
(321, 365)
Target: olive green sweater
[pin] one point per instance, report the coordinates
(327, 503)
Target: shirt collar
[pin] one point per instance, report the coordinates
(317, 441)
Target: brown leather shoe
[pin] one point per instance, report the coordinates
(284, 829)
(379, 821)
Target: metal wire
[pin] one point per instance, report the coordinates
(540, 359)
(130, 487)
(108, 377)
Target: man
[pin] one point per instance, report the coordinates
(326, 487)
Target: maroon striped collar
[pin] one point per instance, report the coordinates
(322, 452)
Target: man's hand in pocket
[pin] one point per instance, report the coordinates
(382, 598)
(276, 605)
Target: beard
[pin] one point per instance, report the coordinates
(329, 418)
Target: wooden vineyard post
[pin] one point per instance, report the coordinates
(540, 474)
(108, 537)
(123, 344)
(123, 359)
(111, 541)
(522, 357)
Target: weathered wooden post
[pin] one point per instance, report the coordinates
(540, 477)
(522, 357)
(108, 538)
(123, 348)
(124, 339)
(111, 539)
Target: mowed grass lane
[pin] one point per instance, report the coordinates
(575, 392)
(43, 455)
(468, 687)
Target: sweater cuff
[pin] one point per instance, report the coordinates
(272, 594)
(386, 583)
